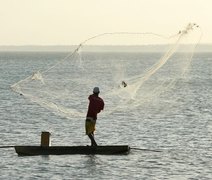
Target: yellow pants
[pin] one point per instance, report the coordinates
(90, 126)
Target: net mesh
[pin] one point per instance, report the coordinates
(129, 68)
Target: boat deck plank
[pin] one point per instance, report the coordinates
(62, 150)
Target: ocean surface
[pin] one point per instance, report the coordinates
(178, 124)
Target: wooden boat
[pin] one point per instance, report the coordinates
(62, 150)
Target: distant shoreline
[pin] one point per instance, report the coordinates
(96, 48)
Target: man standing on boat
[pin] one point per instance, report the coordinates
(96, 104)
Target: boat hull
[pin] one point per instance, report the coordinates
(62, 150)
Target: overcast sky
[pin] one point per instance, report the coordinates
(66, 22)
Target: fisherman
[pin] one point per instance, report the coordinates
(96, 104)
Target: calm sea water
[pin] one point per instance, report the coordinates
(180, 125)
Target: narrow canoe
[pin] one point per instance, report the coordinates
(62, 150)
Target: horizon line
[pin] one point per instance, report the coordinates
(1, 45)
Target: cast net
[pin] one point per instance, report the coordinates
(129, 68)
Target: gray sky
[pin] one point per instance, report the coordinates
(66, 22)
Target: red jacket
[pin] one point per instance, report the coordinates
(95, 106)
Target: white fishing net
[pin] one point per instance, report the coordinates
(129, 68)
